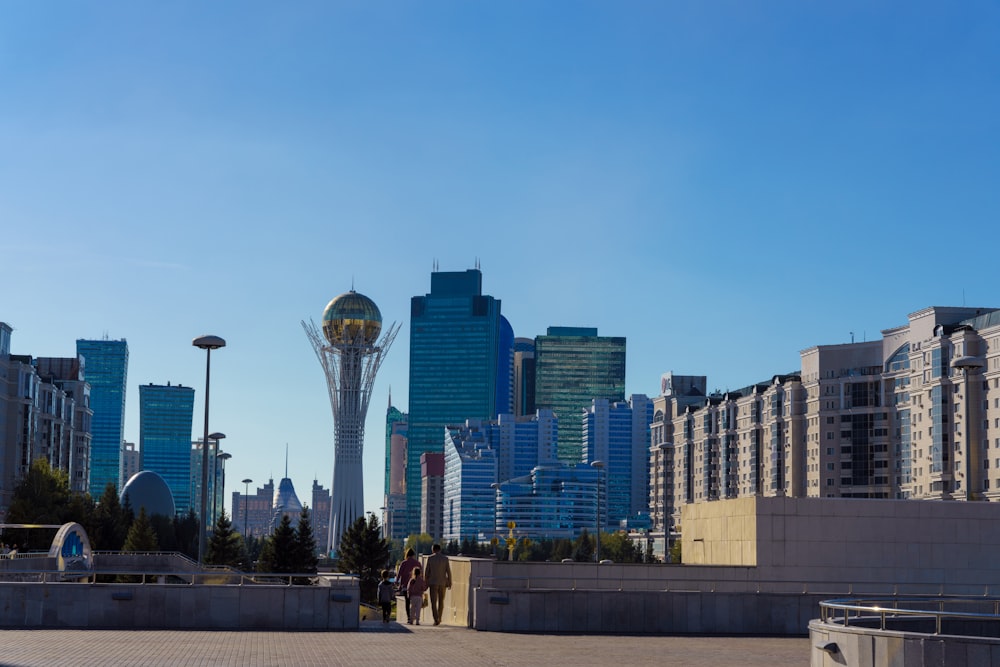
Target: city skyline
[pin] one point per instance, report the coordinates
(722, 186)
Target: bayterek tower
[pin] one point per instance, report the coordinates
(350, 352)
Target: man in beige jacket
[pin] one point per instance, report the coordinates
(437, 571)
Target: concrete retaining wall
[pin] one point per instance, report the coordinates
(643, 612)
(867, 647)
(258, 607)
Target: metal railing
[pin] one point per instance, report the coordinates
(899, 613)
(173, 577)
(604, 580)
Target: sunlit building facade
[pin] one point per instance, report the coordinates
(454, 352)
(106, 370)
(552, 502)
(573, 366)
(165, 425)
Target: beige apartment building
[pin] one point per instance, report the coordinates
(913, 415)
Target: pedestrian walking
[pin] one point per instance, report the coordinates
(438, 580)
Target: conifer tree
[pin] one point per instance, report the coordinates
(365, 553)
(110, 521)
(141, 536)
(226, 545)
(305, 545)
(279, 550)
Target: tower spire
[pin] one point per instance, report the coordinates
(286, 460)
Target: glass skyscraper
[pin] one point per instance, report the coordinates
(165, 425)
(454, 349)
(106, 370)
(573, 366)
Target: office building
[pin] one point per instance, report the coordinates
(432, 494)
(617, 435)
(454, 351)
(553, 502)
(252, 513)
(319, 515)
(470, 473)
(573, 366)
(505, 369)
(394, 506)
(216, 477)
(131, 462)
(165, 424)
(106, 370)
(524, 377)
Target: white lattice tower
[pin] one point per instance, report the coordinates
(350, 368)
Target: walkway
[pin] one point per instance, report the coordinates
(394, 644)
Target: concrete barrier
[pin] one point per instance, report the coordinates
(249, 607)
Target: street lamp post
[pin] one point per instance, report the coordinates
(968, 365)
(214, 458)
(207, 343)
(223, 457)
(598, 465)
(246, 505)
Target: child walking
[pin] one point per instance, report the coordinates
(385, 595)
(415, 589)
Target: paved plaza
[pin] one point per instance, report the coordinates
(393, 644)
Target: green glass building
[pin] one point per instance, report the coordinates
(573, 366)
(454, 347)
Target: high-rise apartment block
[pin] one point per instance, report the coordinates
(106, 370)
(131, 462)
(44, 413)
(573, 366)
(454, 353)
(913, 415)
(165, 425)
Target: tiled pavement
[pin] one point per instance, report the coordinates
(392, 644)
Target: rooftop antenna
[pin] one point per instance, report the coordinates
(390, 395)
(852, 337)
(436, 268)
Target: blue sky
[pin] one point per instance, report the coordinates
(723, 183)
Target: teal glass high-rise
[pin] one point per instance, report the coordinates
(106, 370)
(573, 366)
(166, 416)
(454, 349)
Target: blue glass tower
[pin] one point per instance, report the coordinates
(106, 369)
(454, 349)
(166, 414)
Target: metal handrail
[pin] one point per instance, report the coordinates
(153, 577)
(602, 580)
(883, 608)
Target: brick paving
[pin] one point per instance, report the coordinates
(392, 644)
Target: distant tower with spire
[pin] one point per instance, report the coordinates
(350, 352)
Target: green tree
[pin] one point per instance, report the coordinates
(186, 533)
(226, 545)
(140, 535)
(674, 555)
(111, 523)
(43, 496)
(278, 552)
(363, 552)
(620, 548)
(305, 545)
(583, 548)
(421, 544)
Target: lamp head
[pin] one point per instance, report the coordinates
(209, 342)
